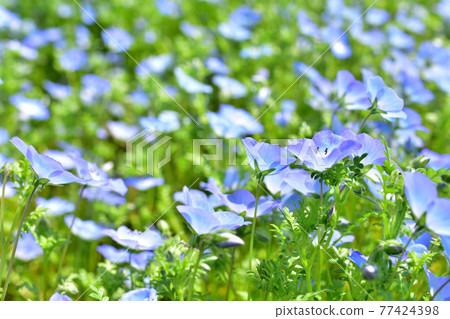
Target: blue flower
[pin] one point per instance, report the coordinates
(168, 8)
(262, 95)
(85, 229)
(27, 247)
(358, 258)
(30, 108)
(399, 39)
(373, 147)
(406, 133)
(230, 87)
(141, 294)
(136, 240)
(307, 26)
(191, 30)
(437, 161)
(190, 84)
(437, 282)
(386, 98)
(256, 52)
(94, 87)
(117, 39)
(230, 122)
(10, 187)
(324, 150)
(44, 166)
(217, 66)
(140, 97)
(423, 198)
(121, 131)
(233, 179)
(73, 59)
(241, 200)
(143, 183)
(234, 31)
(340, 48)
(288, 107)
(301, 181)
(245, 16)
(377, 16)
(138, 260)
(39, 38)
(167, 121)
(55, 206)
(94, 176)
(157, 64)
(58, 297)
(267, 156)
(202, 218)
(56, 90)
(107, 197)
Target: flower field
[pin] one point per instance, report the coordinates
(273, 150)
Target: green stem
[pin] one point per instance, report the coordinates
(252, 238)
(230, 274)
(2, 211)
(66, 246)
(194, 273)
(45, 277)
(366, 119)
(13, 255)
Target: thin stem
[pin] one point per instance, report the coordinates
(131, 272)
(66, 246)
(365, 121)
(252, 238)
(2, 210)
(397, 264)
(440, 288)
(13, 255)
(194, 273)
(230, 274)
(45, 277)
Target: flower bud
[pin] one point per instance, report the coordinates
(370, 272)
(393, 247)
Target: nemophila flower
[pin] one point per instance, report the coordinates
(202, 218)
(165, 122)
(94, 176)
(192, 31)
(189, 84)
(58, 297)
(168, 8)
(65, 10)
(182, 198)
(104, 196)
(262, 95)
(406, 132)
(231, 122)
(340, 48)
(423, 198)
(56, 206)
(306, 25)
(140, 97)
(443, 8)
(412, 19)
(241, 200)
(9, 19)
(4, 136)
(27, 247)
(399, 39)
(234, 31)
(41, 37)
(73, 59)
(94, 87)
(229, 87)
(413, 246)
(136, 240)
(351, 92)
(85, 229)
(56, 90)
(88, 13)
(301, 181)
(143, 183)
(216, 65)
(117, 39)
(324, 150)
(121, 131)
(386, 98)
(288, 107)
(44, 166)
(358, 258)
(30, 108)
(336, 239)
(233, 179)
(157, 64)
(245, 16)
(373, 147)
(445, 240)
(276, 183)
(256, 52)
(136, 260)
(436, 161)
(141, 294)
(436, 283)
(291, 201)
(377, 16)
(268, 157)
(83, 37)
(230, 241)
(62, 157)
